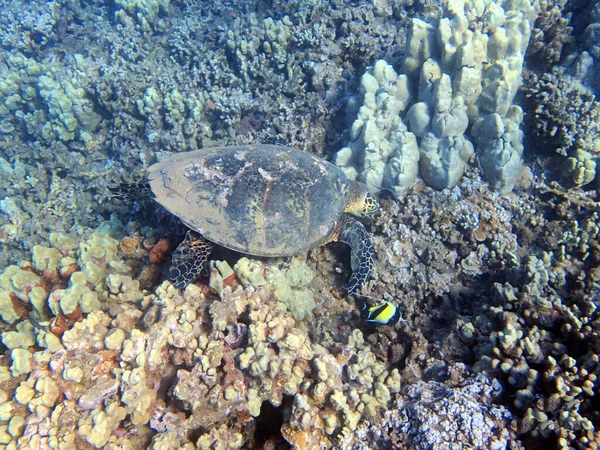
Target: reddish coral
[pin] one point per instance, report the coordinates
(230, 280)
(51, 276)
(58, 325)
(206, 290)
(51, 280)
(76, 315)
(160, 251)
(20, 308)
(70, 270)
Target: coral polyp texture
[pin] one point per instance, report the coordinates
(475, 122)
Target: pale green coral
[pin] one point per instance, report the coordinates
(184, 113)
(17, 282)
(289, 282)
(48, 340)
(151, 102)
(580, 167)
(15, 426)
(136, 395)
(253, 43)
(70, 113)
(5, 437)
(249, 272)
(66, 301)
(98, 428)
(22, 337)
(66, 241)
(18, 87)
(114, 339)
(220, 438)
(6, 411)
(134, 348)
(124, 287)
(170, 441)
(220, 270)
(45, 257)
(146, 13)
(73, 374)
(37, 298)
(21, 361)
(97, 252)
(231, 353)
(7, 310)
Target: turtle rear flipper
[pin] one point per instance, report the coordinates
(362, 254)
(139, 190)
(189, 258)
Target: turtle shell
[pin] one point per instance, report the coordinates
(264, 200)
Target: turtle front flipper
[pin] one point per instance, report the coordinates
(362, 255)
(189, 258)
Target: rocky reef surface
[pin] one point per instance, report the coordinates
(476, 121)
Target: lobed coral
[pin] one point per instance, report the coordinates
(94, 383)
(45, 100)
(567, 117)
(462, 69)
(551, 32)
(255, 43)
(542, 340)
(144, 13)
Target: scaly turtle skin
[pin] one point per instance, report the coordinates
(262, 200)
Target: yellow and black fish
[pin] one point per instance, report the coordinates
(384, 313)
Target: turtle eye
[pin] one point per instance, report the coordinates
(371, 205)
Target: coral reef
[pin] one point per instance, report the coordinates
(255, 44)
(381, 148)
(144, 13)
(551, 32)
(421, 420)
(493, 289)
(563, 97)
(544, 340)
(228, 355)
(464, 68)
(567, 116)
(93, 107)
(586, 66)
(49, 102)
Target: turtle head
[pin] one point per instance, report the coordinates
(361, 202)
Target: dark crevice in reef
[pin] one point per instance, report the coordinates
(268, 425)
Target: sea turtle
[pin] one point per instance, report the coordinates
(262, 200)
